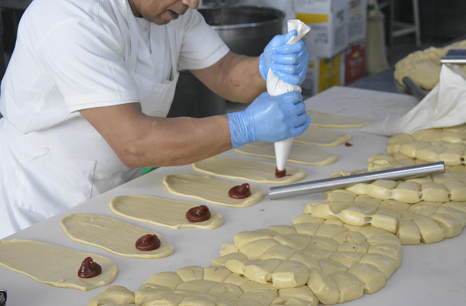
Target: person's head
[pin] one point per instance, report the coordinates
(161, 11)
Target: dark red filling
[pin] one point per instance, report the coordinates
(198, 214)
(89, 268)
(148, 242)
(240, 191)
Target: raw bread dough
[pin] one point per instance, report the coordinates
(424, 221)
(408, 233)
(384, 263)
(330, 266)
(346, 258)
(323, 287)
(210, 190)
(298, 154)
(372, 278)
(293, 295)
(356, 215)
(54, 265)
(430, 231)
(261, 270)
(335, 121)
(184, 288)
(325, 210)
(159, 211)
(434, 192)
(320, 262)
(290, 274)
(380, 189)
(322, 137)
(111, 295)
(240, 169)
(340, 195)
(112, 235)
(167, 279)
(278, 264)
(451, 226)
(385, 220)
(349, 286)
(410, 192)
(430, 146)
(423, 66)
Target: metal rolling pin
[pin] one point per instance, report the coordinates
(279, 192)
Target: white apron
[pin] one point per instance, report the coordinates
(46, 172)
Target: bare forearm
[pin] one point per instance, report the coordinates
(235, 78)
(179, 141)
(143, 141)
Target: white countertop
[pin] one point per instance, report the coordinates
(429, 274)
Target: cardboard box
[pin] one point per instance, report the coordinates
(353, 63)
(321, 75)
(357, 20)
(328, 22)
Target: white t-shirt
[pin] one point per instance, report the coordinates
(77, 54)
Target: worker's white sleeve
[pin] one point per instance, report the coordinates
(201, 47)
(86, 60)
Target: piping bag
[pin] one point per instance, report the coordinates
(443, 106)
(275, 87)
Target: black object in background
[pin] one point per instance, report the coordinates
(413, 89)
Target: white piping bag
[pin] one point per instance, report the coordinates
(275, 87)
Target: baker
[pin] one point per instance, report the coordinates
(89, 85)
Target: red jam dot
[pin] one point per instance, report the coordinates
(148, 242)
(280, 173)
(348, 144)
(198, 214)
(89, 268)
(240, 191)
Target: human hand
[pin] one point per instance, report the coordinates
(288, 62)
(269, 119)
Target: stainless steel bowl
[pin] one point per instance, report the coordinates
(245, 29)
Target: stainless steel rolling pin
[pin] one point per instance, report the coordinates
(279, 192)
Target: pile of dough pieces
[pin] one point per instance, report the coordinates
(426, 221)
(426, 209)
(309, 262)
(423, 66)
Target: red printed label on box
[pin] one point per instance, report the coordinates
(355, 63)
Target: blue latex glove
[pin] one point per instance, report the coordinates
(269, 119)
(288, 62)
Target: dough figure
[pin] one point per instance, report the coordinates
(240, 169)
(159, 211)
(335, 121)
(285, 272)
(54, 265)
(281, 256)
(210, 190)
(322, 137)
(112, 235)
(298, 154)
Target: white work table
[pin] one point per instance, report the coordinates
(429, 274)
